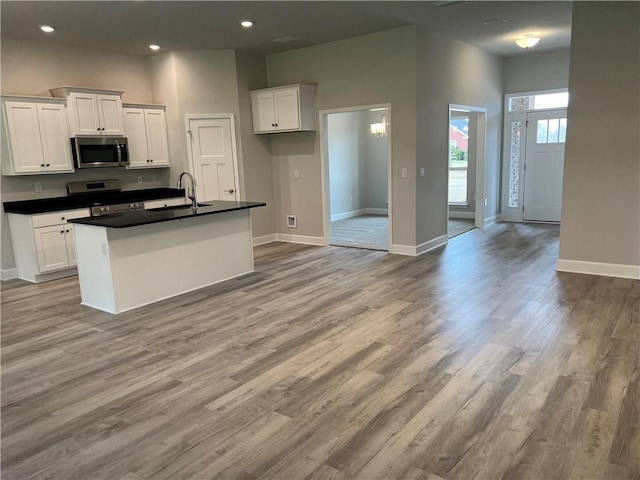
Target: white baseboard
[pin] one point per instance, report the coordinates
(431, 244)
(8, 274)
(597, 268)
(456, 214)
(345, 215)
(305, 240)
(376, 211)
(357, 213)
(264, 239)
(402, 249)
(419, 249)
(491, 220)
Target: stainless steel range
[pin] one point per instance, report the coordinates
(98, 187)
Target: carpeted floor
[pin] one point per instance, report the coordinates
(372, 231)
(365, 231)
(458, 226)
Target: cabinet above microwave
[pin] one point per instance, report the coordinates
(92, 112)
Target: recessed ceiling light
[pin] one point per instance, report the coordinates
(246, 23)
(46, 28)
(154, 47)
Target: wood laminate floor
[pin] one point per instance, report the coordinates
(476, 361)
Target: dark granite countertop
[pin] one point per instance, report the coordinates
(54, 204)
(157, 215)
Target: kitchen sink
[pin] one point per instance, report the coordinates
(178, 207)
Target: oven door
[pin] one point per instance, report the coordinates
(95, 152)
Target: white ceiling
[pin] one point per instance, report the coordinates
(130, 26)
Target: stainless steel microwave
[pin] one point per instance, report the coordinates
(100, 152)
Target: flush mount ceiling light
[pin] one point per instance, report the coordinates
(47, 28)
(527, 41)
(154, 47)
(246, 23)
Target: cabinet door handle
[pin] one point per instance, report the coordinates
(42, 165)
(48, 164)
(231, 190)
(62, 218)
(61, 231)
(67, 231)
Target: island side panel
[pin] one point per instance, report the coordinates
(94, 267)
(153, 262)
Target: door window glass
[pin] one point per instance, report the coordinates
(543, 126)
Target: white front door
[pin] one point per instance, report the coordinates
(544, 165)
(213, 158)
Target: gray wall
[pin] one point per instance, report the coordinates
(533, 71)
(357, 162)
(346, 182)
(452, 72)
(255, 150)
(366, 70)
(601, 197)
(376, 150)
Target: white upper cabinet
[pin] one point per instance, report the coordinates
(291, 108)
(36, 137)
(146, 131)
(91, 111)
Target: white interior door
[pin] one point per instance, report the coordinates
(544, 165)
(213, 158)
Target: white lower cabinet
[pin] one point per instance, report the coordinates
(44, 244)
(55, 246)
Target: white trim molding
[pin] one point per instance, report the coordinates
(431, 244)
(376, 211)
(8, 274)
(345, 215)
(305, 240)
(597, 268)
(419, 249)
(491, 220)
(459, 214)
(264, 239)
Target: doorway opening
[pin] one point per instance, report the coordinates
(356, 155)
(465, 183)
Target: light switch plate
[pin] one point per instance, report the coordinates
(405, 173)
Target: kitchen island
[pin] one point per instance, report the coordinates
(136, 258)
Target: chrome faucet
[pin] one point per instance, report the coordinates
(192, 197)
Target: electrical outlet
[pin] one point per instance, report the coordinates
(486, 202)
(38, 186)
(296, 173)
(292, 221)
(422, 171)
(139, 178)
(405, 173)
